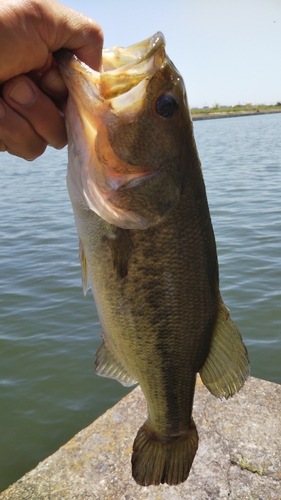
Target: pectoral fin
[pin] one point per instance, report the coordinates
(120, 244)
(107, 365)
(227, 365)
(84, 266)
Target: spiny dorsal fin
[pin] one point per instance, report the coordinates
(84, 266)
(227, 365)
(120, 244)
(107, 365)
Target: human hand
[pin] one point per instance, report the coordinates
(33, 91)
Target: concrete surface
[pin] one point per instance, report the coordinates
(239, 455)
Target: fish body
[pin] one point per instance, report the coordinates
(147, 247)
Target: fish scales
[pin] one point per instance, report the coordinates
(147, 247)
(151, 307)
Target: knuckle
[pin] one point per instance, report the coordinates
(3, 147)
(34, 151)
(61, 145)
(26, 144)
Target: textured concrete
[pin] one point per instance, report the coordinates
(239, 455)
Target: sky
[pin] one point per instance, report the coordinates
(228, 52)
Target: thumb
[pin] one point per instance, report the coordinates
(71, 30)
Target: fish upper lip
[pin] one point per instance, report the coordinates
(133, 54)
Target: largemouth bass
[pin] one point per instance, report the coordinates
(147, 247)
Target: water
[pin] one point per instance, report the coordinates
(242, 169)
(49, 332)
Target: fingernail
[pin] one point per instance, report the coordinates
(2, 111)
(22, 93)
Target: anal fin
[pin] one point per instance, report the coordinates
(227, 366)
(107, 365)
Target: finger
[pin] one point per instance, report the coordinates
(74, 31)
(17, 136)
(51, 83)
(90, 52)
(24, 97)
(31, 30)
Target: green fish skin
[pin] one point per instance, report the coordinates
(147, 247)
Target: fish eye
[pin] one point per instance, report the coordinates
(167, 105)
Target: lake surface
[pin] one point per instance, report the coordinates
(49, 332)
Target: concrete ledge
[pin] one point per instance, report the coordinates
(239, 455)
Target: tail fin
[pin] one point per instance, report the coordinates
(158, 460)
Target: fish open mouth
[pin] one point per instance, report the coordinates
(124, 68)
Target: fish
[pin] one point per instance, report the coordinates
(147, 247)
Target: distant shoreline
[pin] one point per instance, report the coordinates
(232, 114)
